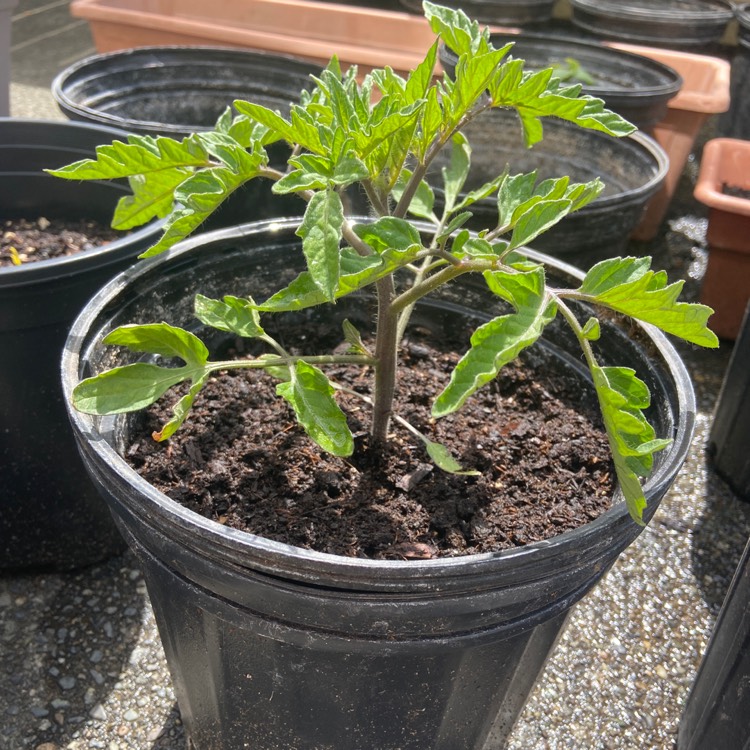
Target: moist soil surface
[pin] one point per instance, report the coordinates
(241, 460)
(25, 241)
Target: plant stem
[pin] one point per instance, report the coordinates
(386, 355)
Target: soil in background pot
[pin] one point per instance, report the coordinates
(241, 460)
(27, 241)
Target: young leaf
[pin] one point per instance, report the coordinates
(180, 411)
(455, 174)
(153, 197)
(232, 314)
(321, 240)
(311, 396)
(163, 339)
(125, 389)
(498, 342)
(444, 460)
(622, 397)
(628, 286)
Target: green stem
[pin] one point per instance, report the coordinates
(386, 355)
(321, 359)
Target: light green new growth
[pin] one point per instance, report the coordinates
(384, 133)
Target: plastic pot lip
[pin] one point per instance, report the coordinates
(285, 559)
(670, 84)
(135, 59)
(715, 11)
(708, 187)
(100, 257)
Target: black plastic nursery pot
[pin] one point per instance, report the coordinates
(175, 91)
(497, 11)
(632, 170)
(715, 714)
(636, 87)
(661, 22)
(735, 123)
(50, 513)
(275, 647)
(730, 429)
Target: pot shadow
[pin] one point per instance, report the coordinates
(64, 641)
(172, 735)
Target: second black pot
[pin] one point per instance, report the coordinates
(50, 514)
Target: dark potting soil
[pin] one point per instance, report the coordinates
(734, 191)
(24, 241)
(241, 460)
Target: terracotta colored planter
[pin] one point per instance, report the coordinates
(726, 285)
(365, 36)
(704, 92)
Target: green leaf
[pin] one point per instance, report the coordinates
(232, 314)
(423, 203)
(353, 337)
(153, 197)
(455, 28)
(180, 411)
(499, 341)
(444, 460)
(125, 389)
(389, 233)
(455, 174)
(163, 339)
(537, 220)
(622, 396)
(311, 395)
(628, 286)
(320, 231)
(141, 155)
(296, 131)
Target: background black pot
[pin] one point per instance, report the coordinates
(715, 714)
(735, 123)
(667, 22)
(631, 168)
(50, 514)
(636, 87)
(279, 647)
(497, 11)
(175, 91)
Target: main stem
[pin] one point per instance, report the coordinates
(386, 355)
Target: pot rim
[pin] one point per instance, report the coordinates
(130, 61)
(611, 9)
(287, 560)
(672, 79)
(54, 268)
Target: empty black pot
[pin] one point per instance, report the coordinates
(50, 514)
(636, 87)
(665, 22)
(174, 91)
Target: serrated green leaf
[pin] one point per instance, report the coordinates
(232, 314)
(311, 396)
(628, 286)
(455, 28)
(537, 220)
(353, 337)
(153, 197)
(141, 155)
(321, 231)
(160, 338)
(297, 131)
(622, 397)
(499, 341)
(126, 389)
